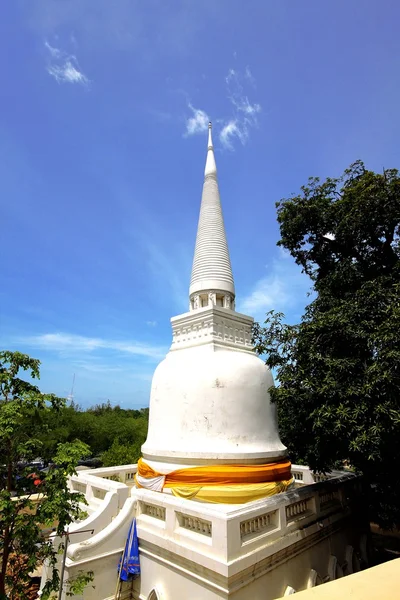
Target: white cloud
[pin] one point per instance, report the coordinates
(72, 343)
(284, 288)
(64, 67)
(66, 73)
(198, 122)
(244, 113)
(96, 368)
(151, 323)
(232, 76)
(54, 52)
(229, 132)
(249, 76)
(243, 105)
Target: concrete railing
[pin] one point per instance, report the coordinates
(107, 489)
(209, 535)
(109, 540)
(122, 474)
(206, 525)
(95, 487)
(304, 476)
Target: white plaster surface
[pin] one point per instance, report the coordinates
(210, 399)
(211, 264)
(194, 550)
(211, 403)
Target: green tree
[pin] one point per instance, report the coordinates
(25, 516)
(121, 454)
(338, 397)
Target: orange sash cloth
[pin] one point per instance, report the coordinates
(221, 474)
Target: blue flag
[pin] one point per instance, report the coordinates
(130, 559)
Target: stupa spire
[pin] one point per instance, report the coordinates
(212, 279)
(211, 167)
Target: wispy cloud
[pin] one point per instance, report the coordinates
(72, 343)
(245, 112)
(284, 288)
(243, 116)
(229, 132)
(249, 76)
(64, 67)
(151, 323)
(54, 52)
(198, 122)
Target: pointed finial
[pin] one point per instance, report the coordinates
(211, 168)
(210, 144)
(212, 271)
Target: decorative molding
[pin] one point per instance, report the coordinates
(329, 498)
(216, 582)
(314, 579)
(278, 558)
(298, 510)
(195, 524)
(79, 487)
(187, 568)
(298, 475)
(99, 493)
(155, 594)
(217, 325)
(334, 569)
(352, 561)
(319, 477)
(289, 591)
(152, 510)
(258, 525)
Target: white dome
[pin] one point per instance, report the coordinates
(211, 405)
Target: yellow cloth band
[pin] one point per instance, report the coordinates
(230, 484)
(231, 494)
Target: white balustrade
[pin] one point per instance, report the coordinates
(329, 498)
(302, 475)
(259, 524)
(298, 510)
(183, 521)
(123, 474)
(151, 510)
(195, 524)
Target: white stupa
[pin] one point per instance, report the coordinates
(209, 400)
(213, 500)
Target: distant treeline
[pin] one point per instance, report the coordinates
(114, 434)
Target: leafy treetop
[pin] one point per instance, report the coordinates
(339, 368)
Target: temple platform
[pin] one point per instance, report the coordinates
(261, 550)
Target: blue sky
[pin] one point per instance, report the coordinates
(103, 114)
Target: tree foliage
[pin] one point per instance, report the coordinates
(339, 368)
(31, 502)
(33, 424)
(101, 427)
